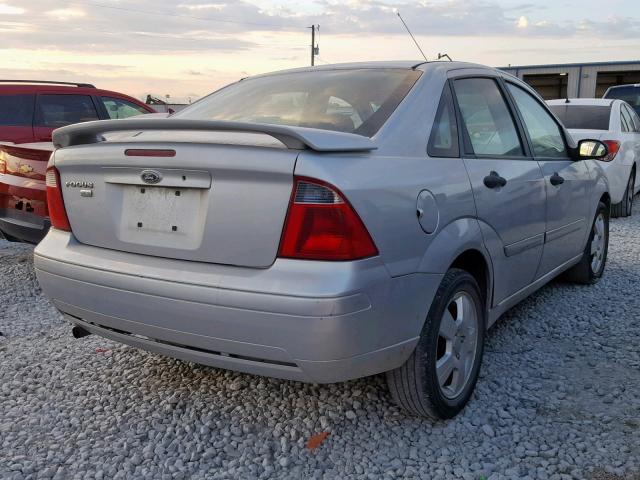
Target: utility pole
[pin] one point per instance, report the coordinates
(314, 48)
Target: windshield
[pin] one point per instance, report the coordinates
(353, 101)
(630, 94)
(583, 117)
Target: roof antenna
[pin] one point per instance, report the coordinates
(412, 37)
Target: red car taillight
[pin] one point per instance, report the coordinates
(321, 225)
(613, 146)
(55, 203)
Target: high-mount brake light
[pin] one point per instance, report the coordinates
(55, 202)
(322, 225)
(147, 152)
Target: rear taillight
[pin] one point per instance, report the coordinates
(55, 203)
(613, 146)
(321, 225)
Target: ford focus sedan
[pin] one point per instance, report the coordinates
(325, 224)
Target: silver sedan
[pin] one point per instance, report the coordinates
(325, 224)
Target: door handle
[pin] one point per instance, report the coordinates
(493, 180)
(556, 179)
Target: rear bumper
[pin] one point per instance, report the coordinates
(309, 321)
(23, 225)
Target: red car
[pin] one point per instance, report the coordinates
(29, 112)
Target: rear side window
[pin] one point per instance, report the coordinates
(16, 110)
(443, 141)
(583, 117)
(118, 108)
(635, 119)
(489, 125)
(627, 119)
(545, 134)
(59, 110)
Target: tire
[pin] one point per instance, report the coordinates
(414, 386)
(8, 237)
(588, 271)
(624, 208)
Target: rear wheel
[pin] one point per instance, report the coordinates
(594, 258)
(8, 237)
(623, 209)
(439, 377)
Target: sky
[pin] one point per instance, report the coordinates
(188, 48)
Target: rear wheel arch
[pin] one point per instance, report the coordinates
(475, 263)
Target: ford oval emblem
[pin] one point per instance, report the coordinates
(150, 176)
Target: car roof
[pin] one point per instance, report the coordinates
(634, 85)
(595, 102)
(400, 64)
(26, 88)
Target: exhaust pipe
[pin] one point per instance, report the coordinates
(79, 332)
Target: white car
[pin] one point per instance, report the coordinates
(616, 124)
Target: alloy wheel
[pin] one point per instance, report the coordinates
(630, 189)
(598, 243)
(457, 344)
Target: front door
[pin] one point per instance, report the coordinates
(508, 185)
(567, 182)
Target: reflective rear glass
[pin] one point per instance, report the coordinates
(583, 117)
(353, 101)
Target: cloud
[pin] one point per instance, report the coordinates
(66, 13)
(523, 22)
(10, 10)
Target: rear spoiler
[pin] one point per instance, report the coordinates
(297, 138)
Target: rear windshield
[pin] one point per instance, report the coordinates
(583, 117)
(630, 94)
(353, 101)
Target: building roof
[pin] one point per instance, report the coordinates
(570, 65)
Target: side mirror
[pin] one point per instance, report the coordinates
(592, 150)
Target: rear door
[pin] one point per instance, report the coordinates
(55, 110)
(631, 138)
(507, 183)
(567, 181)
(16, 118)
(635, 139)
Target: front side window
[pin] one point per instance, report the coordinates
(352, 101)
(59, 110)
(443, 141)
(117, 108)
(545, 134)
(489, 125)
(16, 110)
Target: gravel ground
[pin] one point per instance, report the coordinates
(559, 397)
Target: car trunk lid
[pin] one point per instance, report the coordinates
(206, 202)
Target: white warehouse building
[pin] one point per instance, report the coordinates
(577, 80)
